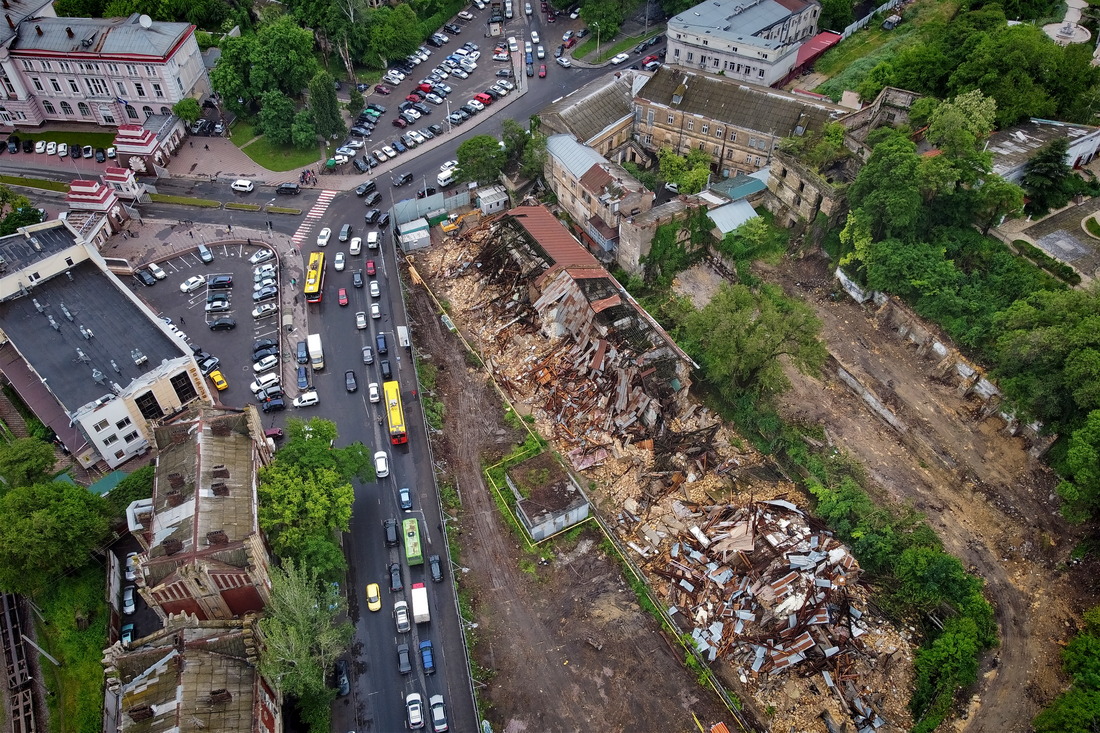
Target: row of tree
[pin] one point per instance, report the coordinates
(482, 159)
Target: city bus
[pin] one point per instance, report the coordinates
(413, 553)
(395, 414)
(315, 277)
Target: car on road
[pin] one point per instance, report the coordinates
(261, 255)
(375, 290)
(265, 364)
(223, 324)
(381, 464)
(372, 391)
(375, 310)
(342, 296)
(382, 89)
(350, 383)
(404, 498)
(303, 377)
(323, 236)
(401, 614)
(339, 262)
(567, 35)
(542, 71)
(267, 309)
(243, 185)
(438, 714)
(414, 710)
(534, 36)
(361, 320)
(564, 63)
(129, 604)
(436, 567)
(264, 282)
(384, 368)
(370, 268)
(343, 686)
(127, 634)
(374, 597)
(371, 217)
(357, 279)
(621, 58)
(426, 657)
(395, 577)
(192, 284)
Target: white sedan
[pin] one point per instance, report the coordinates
(389, 152)
(381, 464)
(621, 58)
(375, 310)
(434, 98)
(360, 320)
(192, 284)
(356, 246)
(372, 390)
(466, 15)
(449, 165)
(267, 309)
(266, 363)
(262, 255)
(338, 263)
(416, 136)
(476, 105)
(534, 36)
(323, 237)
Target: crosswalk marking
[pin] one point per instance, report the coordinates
(312, 216)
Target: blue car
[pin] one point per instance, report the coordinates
(303, 377)
(426, 657)
(399, 147)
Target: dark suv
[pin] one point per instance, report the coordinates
(220, 282)
(390, 526)
(395, 578)
(288, 189)
(302, 353)
(402, 179)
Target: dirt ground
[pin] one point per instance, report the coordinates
(991, 503)
(534, 631)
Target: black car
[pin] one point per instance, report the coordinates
(357, 279)
(266, 293)
(452, 28)
(372, 216)
(357, 131)
(436, 568)
(303, 377)
(100, 155)
(264, 344)
(422, 108)
(145, 278)
(360, 165)
(214, 296)
(390, 527)
(372, 199)
(223, 324)
(269, 351)
(425, 192)
(434, 42)
(273, 405)
(404, 106)
(530, 70)
(402, 179)
(364, 188)
(380, 342)
(74, 151)
(302, 353)
(28, 146)
(404, 663)
(384, 367)
(468, 110)
(383, 221)
(377, 108)
(436, 129)
(350, 383)
(13, 144)
(493, 93)
(395, 578)
(288, 189)
(428, 134)
(220, 282)
(560, 50)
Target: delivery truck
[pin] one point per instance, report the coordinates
(316, 353)
(420, 604)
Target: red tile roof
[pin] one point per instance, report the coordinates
(553, 237)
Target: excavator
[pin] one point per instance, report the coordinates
(454, 221)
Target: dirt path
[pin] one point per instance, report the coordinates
(988, 500)
(534, 628)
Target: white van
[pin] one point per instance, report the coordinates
(158, 273)
(372, 240)
(306, 399)
(446, 178)
(243, 185)
(512, 45)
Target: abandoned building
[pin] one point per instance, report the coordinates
(548, 498)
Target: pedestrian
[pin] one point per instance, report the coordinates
(250, 242)
(205, 147)
(182, 321)
(192, 234)
(191, 143)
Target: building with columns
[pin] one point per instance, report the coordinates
(101, 71)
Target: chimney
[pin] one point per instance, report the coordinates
(219, 488)
(217, 537)
(69, 32)
(175, 498)
(38, 29)
(141, 712)
(222, 695)
(172, 545)
(221, 471)
(175, 480)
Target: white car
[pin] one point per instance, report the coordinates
(501, 57)
(575, 14)
(540, 52)
(512, 45)
(360, 320)
(128, 603)
(306, 399)
(527, 47)
(375, 311)
(372, 392)
(158, 273)
(218, 306)
(267, 281)
(243, 185)
(434, 98)
(262, 255)
(62, 150)
(372, 240)
(51, 148)
(192, 284)
(259, 273)
(506, 84)
(466, 15)
(474, 55)
(323, 236)
(415, 114)
(40, 146)
(621, 58)
(476, 105)
(389, 152)
(499, 90)
(338, 263)
(381, 464)
(267, 309)
(417, 136)
(354, 144)
(448, 165)
(534, 36)
(564, 62)
(527, 8)
(265, 364)
(414, 708)
(356, 246)
(263, 382)
(375, 291)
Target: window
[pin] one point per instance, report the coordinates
(131, 112)
(96, 86)
(733, 136)
(148, 406)
(649, 118)
(84, 111)
(122, 423)
(8, 85)
(119, 454)
(69, 261)
(48, 106)
(179, 84)
(66, 67)
(131, 70)
(717, 150)
(157, 91)
(705, 129)
(185, 390)
(715, 62)
(149, 71)
(27, 65)
(37, 83)
(752, 142)
(691, 124)
(99, 426)
(131, 436)
(147, 110)
(647, 139)
(703, 146)
(112, 69)
(121, 88)
(671, 119)
(66, 109)
(676, 52)
(729, 155)
(55, 84)
(761, 74)
(706, 42)
(691, 56)
(139, 88)
(110, 440)
(757, 160)
(108, 118)
(719, 132)
(74, 87)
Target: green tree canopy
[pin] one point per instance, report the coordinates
(26, 461)
(392, 32)
(1046, 176)
(480, 159)
(276, 118)
(296, 503)
(187, 109)
(887, 189)
(283, 57)
(47, 529)
(326, 108)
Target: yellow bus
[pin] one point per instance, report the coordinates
(394, 413)
(315, 277)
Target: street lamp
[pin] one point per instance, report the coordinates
(597, 40)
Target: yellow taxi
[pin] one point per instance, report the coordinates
(374, 597)
(218, 380)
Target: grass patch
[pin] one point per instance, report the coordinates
(162, 198)
(243, 207)
(1091, 225)
(76, 687)
(282, 210)
(242, 132)
(1055, 267)
(276, 158)
(95, 139)
(35, 183)
(606, 52)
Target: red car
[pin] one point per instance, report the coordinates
(651, 57)
(370, 267)
(542, 71)
(342, 296)
(382, 89)
(551, 18)
(571, 42)
(425, 87)
(412, 98)
(400, 122)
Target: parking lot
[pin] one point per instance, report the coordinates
(187, 311)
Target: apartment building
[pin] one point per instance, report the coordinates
(102, 71)
(755, 41)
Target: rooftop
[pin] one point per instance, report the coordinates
(121, 38)
(79, 330)
(560, 246)
(18, 252)
(737, 103)
(18, 11)
(588, 111)
(737, 20)
(732, 215)
(1013, 147)
(575, 157)
(546, 487)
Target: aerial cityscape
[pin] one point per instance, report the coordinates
(647, 365)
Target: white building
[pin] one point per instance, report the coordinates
(746, 40)
(109, 72)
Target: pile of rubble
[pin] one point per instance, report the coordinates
(767, 589)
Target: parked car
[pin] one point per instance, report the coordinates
(223, 324)
(343, 685)
(129, 604)
(436, 568)
(303, 377)
(404, 661)
(401, 613)
(302, 353)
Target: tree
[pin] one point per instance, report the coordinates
(302, 639)
(740, 335)
(957, 125)
(1046, 175)
(754, 240)
(303, 134)
(326, 108)
(392, 32)
(690, 173)
(887, 189)
(283, 57)
(187, 109)
(47, 529)
(534, 157)
(996, 199)
(835, 15)
(1080, 490)
(276, 118)
(355, 102)
(480, 159)
(231, 77)
(26, 461)
(515, 138)
(296, 503)
(138, 485)
(309, 445)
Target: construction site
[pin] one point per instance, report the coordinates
(767, 595)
